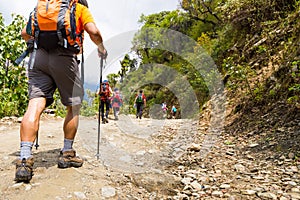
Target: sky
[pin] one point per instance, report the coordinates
(116, 20)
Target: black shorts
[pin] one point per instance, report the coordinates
(56, 69)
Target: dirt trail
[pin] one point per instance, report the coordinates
(126, 152)
(151, 159)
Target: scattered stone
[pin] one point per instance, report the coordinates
(253, 145)
(258, 177)
(294, 196)
(267, 195)
(196, 185)
(206, 187)
(195, 147)
(293, 169)
(80, 195)
(141, 153)
(224, 186)
(282, 157)
(217, 193)
(248, 192)
(231, 198)
(28, 187)
(17, 185)
(108, 192)
(19, 120)
(291, 155)
(186, 181)
(140, 164)
(295, 190)
(191, 175)
(292, 183)
(283, 198)
(240, 168)
(250, 157)
(230, 153)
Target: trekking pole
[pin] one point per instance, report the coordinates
(99, 109)
(82, 68)
(37, 141)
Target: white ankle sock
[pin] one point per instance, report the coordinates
(26, 150)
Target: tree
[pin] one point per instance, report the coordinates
(127, 65)
(202, 10)
(13, 81)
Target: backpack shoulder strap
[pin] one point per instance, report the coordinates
(36, 36)
(65, 5)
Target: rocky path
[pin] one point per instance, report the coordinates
(149, 159)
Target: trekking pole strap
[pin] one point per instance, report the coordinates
(22, 56)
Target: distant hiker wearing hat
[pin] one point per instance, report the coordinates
(173, 112)
(53, 64)
(140, 102)
(105, 93)
(116, 102)
(164, 109)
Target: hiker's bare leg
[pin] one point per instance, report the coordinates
(31, 119)
(68, 156)
(71, 122)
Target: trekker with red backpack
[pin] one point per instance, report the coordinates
(105, 93)
(116, 102)
(55, 31)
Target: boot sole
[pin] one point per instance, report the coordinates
(63, 165)
(23, 178)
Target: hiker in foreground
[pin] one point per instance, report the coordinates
(53, 64)
(105, 93)
(140, 103)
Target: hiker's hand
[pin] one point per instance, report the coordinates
(102, 53)
(30, 45)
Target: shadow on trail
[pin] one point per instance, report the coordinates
(45, 159)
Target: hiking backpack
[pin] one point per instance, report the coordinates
(53, 23)
(140, 98)
(104, 90)
(117, 100)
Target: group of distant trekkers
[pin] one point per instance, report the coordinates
(109, 99)
(165, 110)
(113, 99)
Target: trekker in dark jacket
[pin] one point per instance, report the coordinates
(140, 103)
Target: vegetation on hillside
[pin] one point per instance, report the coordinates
(13, 93)
(253, 46)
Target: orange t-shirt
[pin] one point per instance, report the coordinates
(83, 16)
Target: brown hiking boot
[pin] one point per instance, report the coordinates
(69, 159)
(24, 170)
